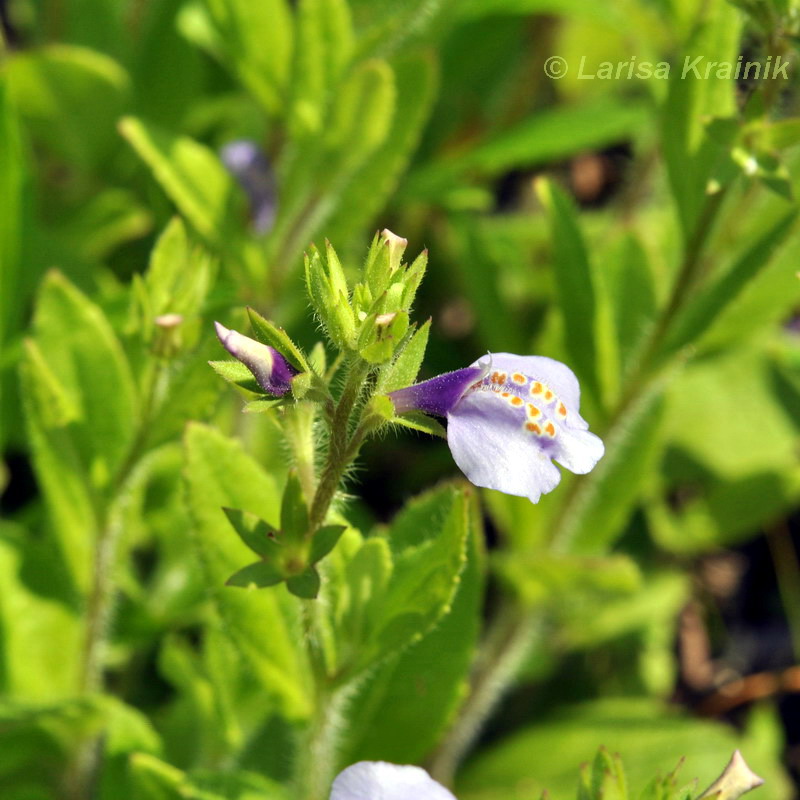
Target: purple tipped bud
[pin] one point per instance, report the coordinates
(270, 369)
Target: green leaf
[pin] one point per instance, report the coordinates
(236, 373)
(76, 339)
(260, 575)
(383, 594)
(305, 585)
(417, 421)
(403, 370)
(277, 337)
(597, 512)
(190, 174)
(650, 737)
(255, 41)
(71, 97)
(294, 509)
(361, 118)
(263, 626)
(633, 296)
(42, 636)
(362, 199)
(155, 779)
(575, 284)
(325, 539)
(542, 138)
(402, 708)
(259, 536)
(324, 43)
(703, 308)
(690, 151)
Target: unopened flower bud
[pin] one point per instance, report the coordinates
(397, 246)
(271, 370)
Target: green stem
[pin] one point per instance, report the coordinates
(316, 761)
(102, 595)
(341, 448)
(507, 645)
(298, 425)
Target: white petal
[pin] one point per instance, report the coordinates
(379, 780)
(559, 377)
(577, 450)
(488, 443)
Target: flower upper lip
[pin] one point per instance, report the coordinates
(508, 419)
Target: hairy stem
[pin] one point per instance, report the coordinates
(340, 448)
(508, 643)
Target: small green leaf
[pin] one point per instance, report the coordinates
(236, 373)
(259, 536)
(294, 510)
(417, 421)
(575, 283)
(403, 370)
(324, 541)
(190, 174)
(260, 574)
(305, 585)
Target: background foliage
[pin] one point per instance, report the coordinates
(642, 230)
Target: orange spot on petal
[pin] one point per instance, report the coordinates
(516, 401)
(537, 388)
(562, 409)
(550, 429)
(533, 411)
(533, 428)
(519, 378)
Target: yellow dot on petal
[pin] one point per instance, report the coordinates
(562, 410)
(516, 401)
(550, 429)
(533, 428)
(536, 388)
(505, 394)
(519, 378)
(548, 395)
(533, 411)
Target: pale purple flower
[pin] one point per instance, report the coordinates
(272, 371)
(379, 780)
(508, 418)
(248, 164)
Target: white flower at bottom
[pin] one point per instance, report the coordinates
(379, 780)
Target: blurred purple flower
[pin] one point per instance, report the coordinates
(508, 418)
(272, 371)
(248, 164)
(379, 780)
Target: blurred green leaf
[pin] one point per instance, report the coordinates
(544, 137)
(595, 516)
(71, 97)
(650, 738)
(576, 284)
(255, 41)
(190, 174)
(702, 309)
(693, 147)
